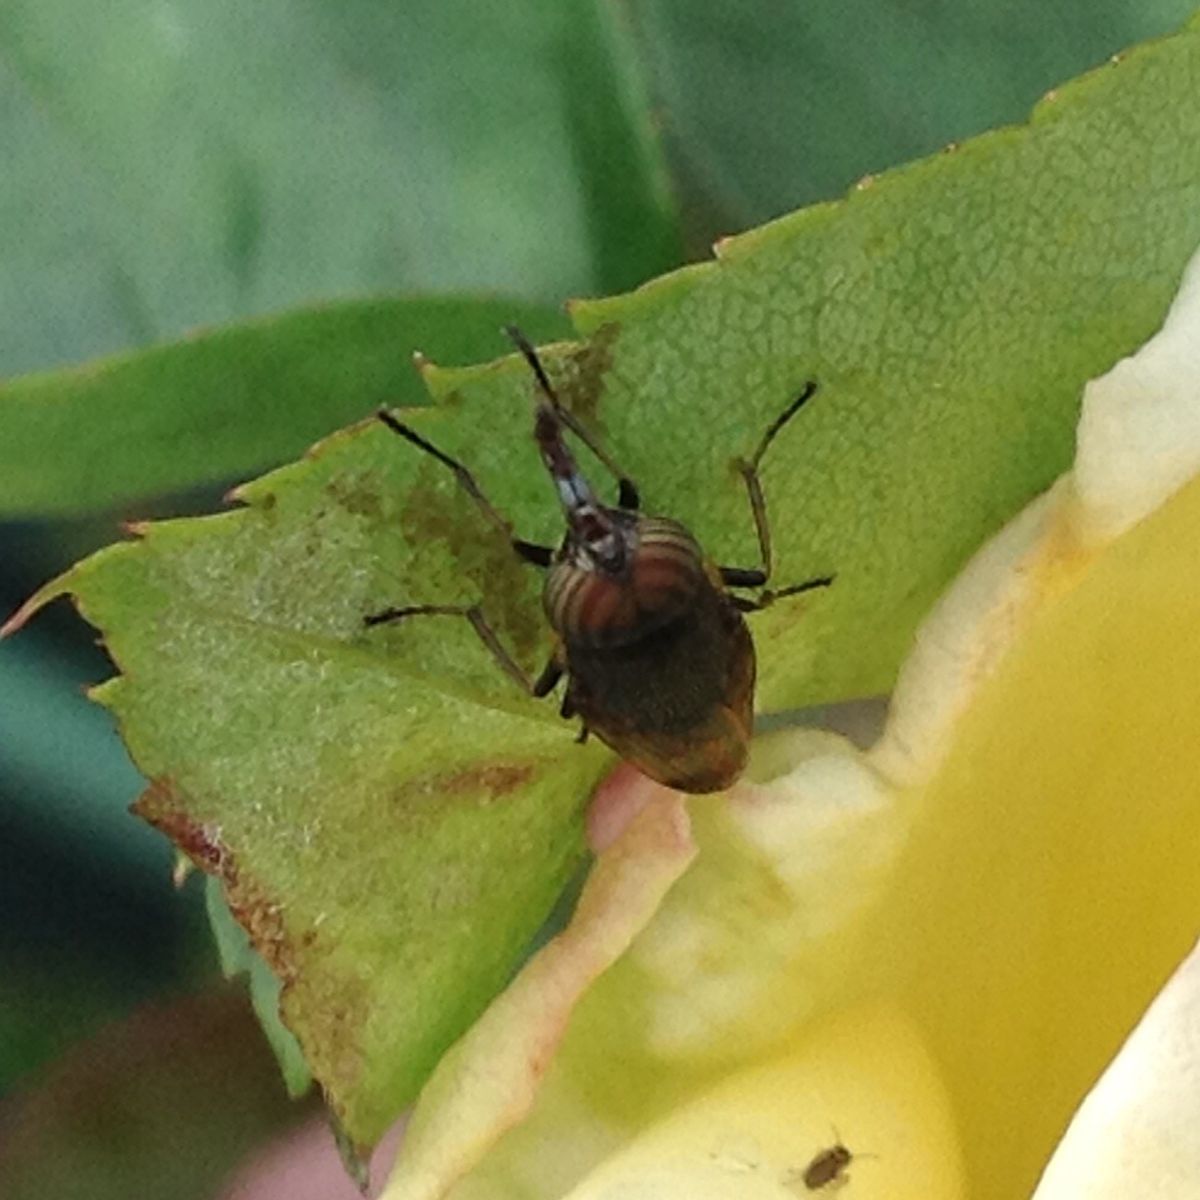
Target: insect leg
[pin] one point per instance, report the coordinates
(627, 491)
(487, 635)
(742, 577)
(552, 672)
(765, 599)
(757, 577)
(567, 710)
(737, 577)
(531, 552)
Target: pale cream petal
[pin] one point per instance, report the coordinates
(488, 1080)
(1138, 1132)
(1139, 434)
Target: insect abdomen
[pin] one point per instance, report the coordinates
(676, 703)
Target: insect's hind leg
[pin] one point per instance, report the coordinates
(531, 552)
(757, 577)
(537, 688)
(765, 599)
(748, 468)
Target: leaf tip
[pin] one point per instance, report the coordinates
(50, 591)
(355, 1157)
(16, 620)
(101, 693)
(721, 246)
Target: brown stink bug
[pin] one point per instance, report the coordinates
(658, 659)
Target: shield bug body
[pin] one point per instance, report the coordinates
(659, 662)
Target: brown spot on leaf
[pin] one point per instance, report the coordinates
(497, 779)
(162, 806)
(358, 494)
(166, 808)
(413, 799)
(262, 919)
(583, 385)
(431, 514)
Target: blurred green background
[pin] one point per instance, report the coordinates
(171, 164)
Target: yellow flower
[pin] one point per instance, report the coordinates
(926, 952)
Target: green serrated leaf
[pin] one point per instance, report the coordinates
(391, 818)
(389, 846)
(229, 401)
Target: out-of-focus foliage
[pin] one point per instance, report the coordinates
(163, 1104)
(256, 393)
(766, 105)
(170, 164)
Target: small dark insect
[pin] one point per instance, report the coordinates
(827, 1167)
(658, 659)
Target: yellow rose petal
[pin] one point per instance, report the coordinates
(863, 1080)
(487, 1082)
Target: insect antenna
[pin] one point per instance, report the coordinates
(628, 495)
(540, 556)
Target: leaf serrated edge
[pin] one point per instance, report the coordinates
(589, 314)
(63, 585)
(257, 492)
